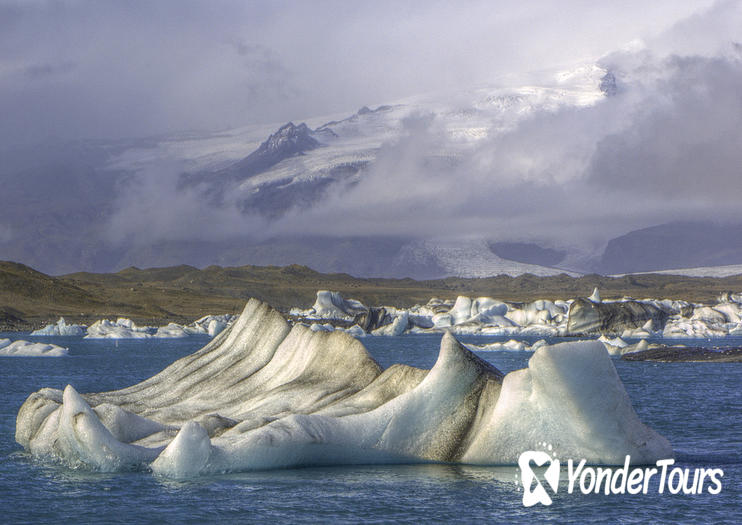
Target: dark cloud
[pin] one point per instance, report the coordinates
(667, 147)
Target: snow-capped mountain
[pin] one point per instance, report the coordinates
(297, 164)
(215, 198)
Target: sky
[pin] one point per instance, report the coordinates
(666, 148)
(110, 69)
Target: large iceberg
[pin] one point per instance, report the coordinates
(21, 348)
(265, 395)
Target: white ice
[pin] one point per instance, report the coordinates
(540, 318)
(121, 329)
(332, 305)
(511, 345)
(61, 328)
(21, 348)
(124, 328)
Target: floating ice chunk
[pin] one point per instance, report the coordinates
(621, 347)
(461, 310)
(125, 328)
(355, 331)
(640, 346)
(616, 341)
(645, 332)
(210, 324)
(511, 346)
(442, 320)
(21, 348)
(171, 331)
(539, 312)
(595, 297)
(680, 327)
(396, 328)
(495, 330)
(121, 329)
(731, 311)
(332, 305)
(265, 395)
(215, 327)
(539, 330)
(61, 328)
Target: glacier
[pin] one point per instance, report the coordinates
(264, 395)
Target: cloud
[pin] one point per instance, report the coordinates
(144, 68)
(150, 208)
(667, 147)
(683, 145)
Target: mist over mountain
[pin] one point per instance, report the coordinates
(623, 160)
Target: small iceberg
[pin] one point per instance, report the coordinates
(21, 348)
(509, 346)
(60, 328)
(122, 328)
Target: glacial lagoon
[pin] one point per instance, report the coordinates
(695, 405)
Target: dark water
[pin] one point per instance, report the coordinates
(697, 406)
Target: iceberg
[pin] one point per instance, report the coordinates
(171, 331)
(21, 348)
(332, 305)
(60, 328)
(587, 317)
(265, 395)
(396, 328)
(126, 328)
(627, 317)
(509, 346)
(121, 329)
(210, 325)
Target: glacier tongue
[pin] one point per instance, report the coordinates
(264, 395)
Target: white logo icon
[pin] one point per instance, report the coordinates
(610, 480)
(537, 493)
